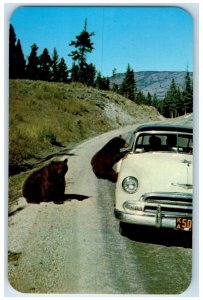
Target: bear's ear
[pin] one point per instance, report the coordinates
(65, 160)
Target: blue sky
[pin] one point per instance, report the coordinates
(147, 38)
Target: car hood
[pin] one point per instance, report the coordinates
(159, 171)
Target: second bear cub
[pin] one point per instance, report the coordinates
(47, 183)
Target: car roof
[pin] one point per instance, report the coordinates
(164, 127)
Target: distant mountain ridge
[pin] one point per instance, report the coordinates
(154, 81)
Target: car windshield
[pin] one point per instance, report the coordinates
(159, 141)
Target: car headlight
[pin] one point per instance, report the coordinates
(130, 184)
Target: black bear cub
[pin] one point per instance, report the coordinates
(47, 183)
(103, 161)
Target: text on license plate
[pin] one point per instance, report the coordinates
(184, 224)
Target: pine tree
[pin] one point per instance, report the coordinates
(140, 98)
(102, 83)
(188, 94)
(75, 73)
(98, 81)
(12, 53)
(89, 74)
(62, 75)
(54, 66)
(33, 64)
(149, 99)
(106, 84)
(128, 86)
(180, 103)
(83, 46)
(157, 103)
(17, 61)
(115, 87)
(20, 61)
(45, 66)
(171, 101)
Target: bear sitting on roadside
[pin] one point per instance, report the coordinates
(47, 183)
(103, 161)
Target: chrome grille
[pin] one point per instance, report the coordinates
(171, 204)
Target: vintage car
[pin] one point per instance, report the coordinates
(154, 186)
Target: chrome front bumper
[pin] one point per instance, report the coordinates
(156, 220)
(157, 209)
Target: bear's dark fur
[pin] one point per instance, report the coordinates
(103, 161)
(47, 183)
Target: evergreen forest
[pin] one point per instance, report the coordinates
(52, 68)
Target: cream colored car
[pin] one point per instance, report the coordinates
(154, 186)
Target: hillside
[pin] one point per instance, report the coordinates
(154, 81)
(47, 117)
(46, 120)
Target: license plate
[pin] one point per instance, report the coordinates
(184, 224)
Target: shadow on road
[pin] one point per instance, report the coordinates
(75, 197)
(159, 236)
(68, 197)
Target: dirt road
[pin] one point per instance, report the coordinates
(76, 248)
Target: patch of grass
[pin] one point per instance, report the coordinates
(42, 111)
(47, 134)
(15, 185)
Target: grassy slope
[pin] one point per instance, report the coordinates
(66, 113)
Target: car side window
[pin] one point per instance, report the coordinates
(185, 144)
